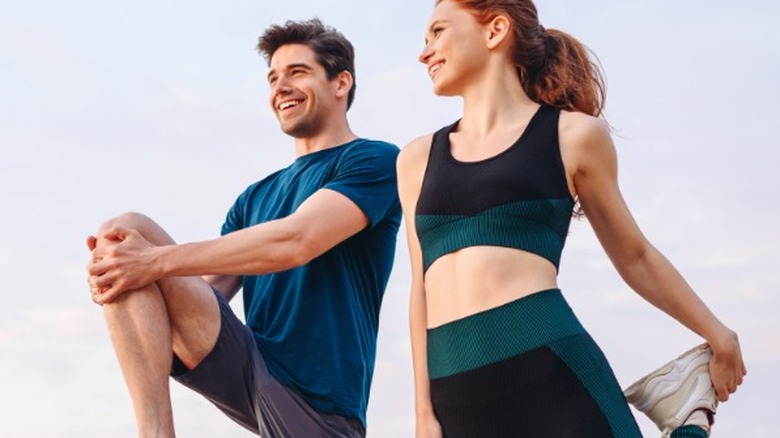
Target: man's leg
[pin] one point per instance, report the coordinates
(147, 325)
(141, 335)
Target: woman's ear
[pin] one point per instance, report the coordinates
(497, 31)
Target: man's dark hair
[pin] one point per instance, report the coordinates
(331, 49)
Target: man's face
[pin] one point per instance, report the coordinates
(301, 94)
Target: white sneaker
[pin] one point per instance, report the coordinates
(671, 393)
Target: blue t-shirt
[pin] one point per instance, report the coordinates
(316, 325)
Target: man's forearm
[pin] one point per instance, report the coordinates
(270, 247)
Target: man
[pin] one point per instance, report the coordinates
(312, 246)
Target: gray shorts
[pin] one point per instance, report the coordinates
(235, 378)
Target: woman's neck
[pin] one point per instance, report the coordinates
(494, 101)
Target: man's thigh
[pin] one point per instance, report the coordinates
(193, 314)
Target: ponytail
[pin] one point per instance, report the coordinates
(568, 75)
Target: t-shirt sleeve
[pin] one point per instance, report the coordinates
(234, 220)
(366, 175)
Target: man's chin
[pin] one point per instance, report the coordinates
(299, 130)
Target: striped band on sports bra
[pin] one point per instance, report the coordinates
(544, 222)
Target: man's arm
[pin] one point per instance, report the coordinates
(227, 285)
(320, 223)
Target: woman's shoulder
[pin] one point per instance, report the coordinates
(585, 141)
(411, 165)
(415, 151)
(582, 133)
(582, 126)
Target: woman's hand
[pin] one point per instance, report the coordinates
(427, 426)
(727, 368)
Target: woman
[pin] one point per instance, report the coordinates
(487, 204)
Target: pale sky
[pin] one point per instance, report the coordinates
(161, 107)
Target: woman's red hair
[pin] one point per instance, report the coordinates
(554, 67)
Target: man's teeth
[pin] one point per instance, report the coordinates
(288, 104)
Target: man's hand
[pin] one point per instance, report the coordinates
(122, 260)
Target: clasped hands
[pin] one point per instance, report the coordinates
(121, 261)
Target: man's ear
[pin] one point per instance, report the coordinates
(497, 31)
(343, 83)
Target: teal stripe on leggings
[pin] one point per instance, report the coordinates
(585, 359)
(500, 333)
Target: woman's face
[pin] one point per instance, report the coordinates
(455, 51)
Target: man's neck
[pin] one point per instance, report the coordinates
(325, 140)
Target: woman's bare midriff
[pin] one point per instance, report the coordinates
(479, 278)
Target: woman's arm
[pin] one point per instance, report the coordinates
(411, 166)
(591, 160)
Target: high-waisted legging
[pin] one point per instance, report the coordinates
(525, 369)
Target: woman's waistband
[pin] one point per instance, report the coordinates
(500, 333)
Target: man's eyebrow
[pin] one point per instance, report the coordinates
(290, 67)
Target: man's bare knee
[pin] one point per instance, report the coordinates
(148, 228)
(127, 220)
